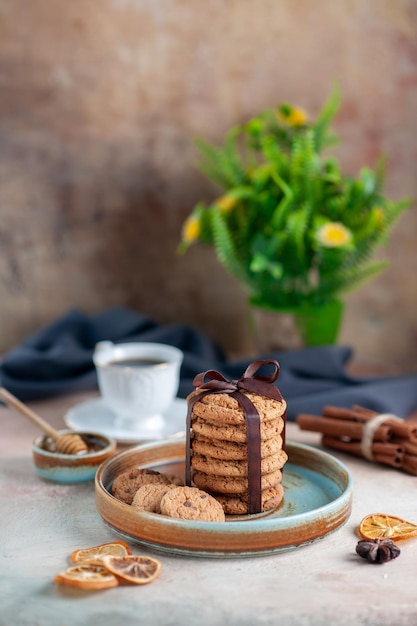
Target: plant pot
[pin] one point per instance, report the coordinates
(294, 328)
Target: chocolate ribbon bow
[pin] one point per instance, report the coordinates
(249, 381)
(261, 385)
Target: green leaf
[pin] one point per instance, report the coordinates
(297, 228)
(380, 173)
(223, 164)
(260, 263)
(325, 117)
(280, 213)
(285, 188)
(224, 246)
(368, 180)
(348, 280)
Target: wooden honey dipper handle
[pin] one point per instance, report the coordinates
(69, 443)
(14, 403)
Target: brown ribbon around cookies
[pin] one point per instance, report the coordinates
(249, 381)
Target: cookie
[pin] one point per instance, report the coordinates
(223, 484)
(222, 408)
(216, 467)
(234, 433)
(237, 504)
(149, 496)
(192, 504)
(126, 484)
(230, 451)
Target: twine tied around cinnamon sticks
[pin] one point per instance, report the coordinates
(379, 437)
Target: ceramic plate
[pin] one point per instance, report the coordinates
(95, 416)
(317, 501)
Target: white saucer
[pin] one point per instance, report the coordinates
(95, 416)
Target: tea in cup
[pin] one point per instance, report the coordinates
(138, 382)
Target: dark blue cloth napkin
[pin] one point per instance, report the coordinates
(58, 359)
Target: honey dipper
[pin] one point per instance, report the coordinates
(69, 443)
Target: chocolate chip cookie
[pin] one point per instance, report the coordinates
(237, 504)
(223, 484)
(230, 469)
(224, 409)
(231, 451)
(126, 484)
(190, 503)
(149, 496)
(235, 433)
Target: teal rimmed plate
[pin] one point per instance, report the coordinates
(317, 501)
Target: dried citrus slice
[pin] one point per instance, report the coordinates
(382, 526)
(87, 576)
(138, 570)
(96, 553)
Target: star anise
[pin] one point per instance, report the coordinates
(377, 550)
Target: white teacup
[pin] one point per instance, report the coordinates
(138, 381)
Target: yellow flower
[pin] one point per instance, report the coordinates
(334, 235)
(379, 215)
(226, 203)
(293, 116)
(191, 229)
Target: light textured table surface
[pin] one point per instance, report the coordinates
(324, 583)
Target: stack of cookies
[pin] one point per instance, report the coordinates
(219, 449)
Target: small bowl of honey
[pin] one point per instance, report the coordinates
(71, 468)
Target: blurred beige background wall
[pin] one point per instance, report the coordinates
(100, 102)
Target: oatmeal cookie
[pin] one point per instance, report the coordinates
(126, 484)
(149, 496)
(237, 504)
(223, 484)
(234, 433)
(210, 465)
(230, 451)
(192, 504)
(224, 409)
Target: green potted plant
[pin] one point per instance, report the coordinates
(289, 225)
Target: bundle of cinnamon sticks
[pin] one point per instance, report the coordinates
(362, 432)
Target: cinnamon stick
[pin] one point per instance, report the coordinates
(402, 429)
(410, 448)
(344, 414)
(389, 460)
(340, 428)
(360, 414)
(409, 465)
(388, 453)
(363, 411)
(377, 447)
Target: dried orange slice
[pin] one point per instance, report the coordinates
(138, 570)
(96, 553)
(382, 526)
(87, 576)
